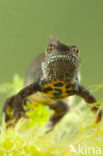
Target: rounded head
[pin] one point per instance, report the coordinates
(61, 62)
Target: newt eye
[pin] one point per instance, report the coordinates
(77, 51)
(48, 50)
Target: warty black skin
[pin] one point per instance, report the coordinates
(51, 73)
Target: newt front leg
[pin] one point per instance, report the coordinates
(86, 95)
(19, 99)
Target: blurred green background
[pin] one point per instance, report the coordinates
(25, 27)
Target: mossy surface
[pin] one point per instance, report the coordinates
(76, 130)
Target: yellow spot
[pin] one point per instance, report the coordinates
(70, 88)
(5, 125)
(13, 129)
(101, 134)
(97, 120)
(94, 111)
(29, 119)
(9, 109)
(46, 52)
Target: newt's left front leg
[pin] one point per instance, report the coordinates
(89, 98)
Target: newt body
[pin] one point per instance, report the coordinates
(50, 79)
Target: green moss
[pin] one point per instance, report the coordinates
(76, 130)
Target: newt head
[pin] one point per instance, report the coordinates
(61, 62)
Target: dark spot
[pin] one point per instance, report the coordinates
(58, 84)
(56, 94)
(68, 91)
(59, 91)
(67, 86)
(45, 90)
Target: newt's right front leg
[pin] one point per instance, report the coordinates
(18, 100)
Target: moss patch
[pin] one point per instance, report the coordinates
(75, 131)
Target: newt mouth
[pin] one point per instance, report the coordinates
(73, 59)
